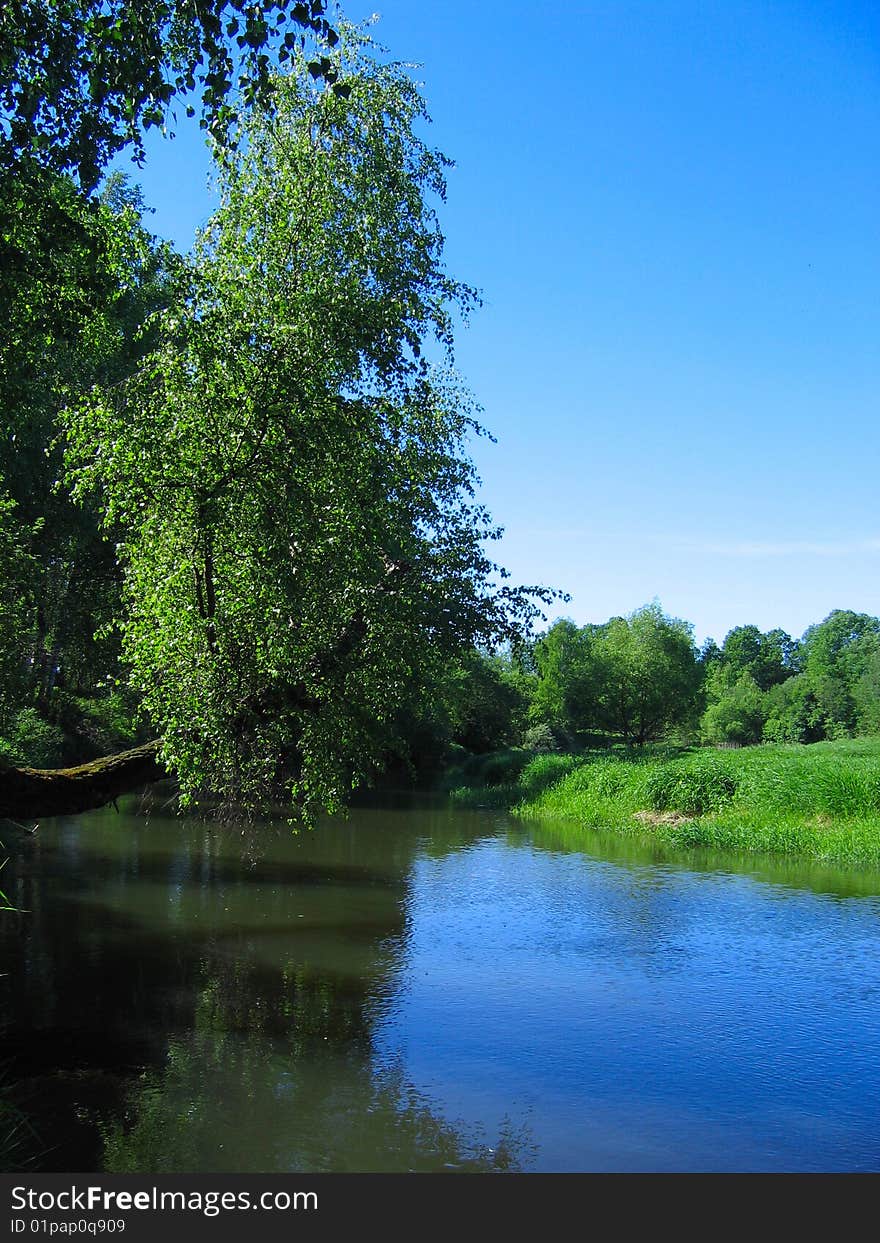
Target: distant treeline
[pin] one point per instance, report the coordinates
(633, 680)
(641, 678)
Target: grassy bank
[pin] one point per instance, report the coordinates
(821, 800)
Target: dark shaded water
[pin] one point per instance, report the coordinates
(425, 990)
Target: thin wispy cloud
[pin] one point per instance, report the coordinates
(756, 548)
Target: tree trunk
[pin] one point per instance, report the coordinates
(29, 793)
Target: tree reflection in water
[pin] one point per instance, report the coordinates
(175, 1006)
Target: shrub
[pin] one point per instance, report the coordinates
(31, 740)
(540, 737)
(736, 711)
(691, 786)
(107, 724)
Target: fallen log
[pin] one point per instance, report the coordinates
(28, 793)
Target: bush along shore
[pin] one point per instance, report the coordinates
(820, 800)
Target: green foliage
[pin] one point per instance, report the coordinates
(736, 707)
(758, 687)
(287, 474)
(81, 79)
(475, 705)
(487, 780)
(77, 279)
(541, 737)
(17, 604)
(506, 777)
(605, 790)
(483, 702)
(31, 740)
(710, 653)
(276, 511)
(648, 674)
(792, 712)
(634, 677)
(96, 727)
(562, 697)
(865, 690)
(495, 769)
(768, 686)
(837, 655)
(768, 659)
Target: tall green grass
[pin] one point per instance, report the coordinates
(821, 800)
(507, 777)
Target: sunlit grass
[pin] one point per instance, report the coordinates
(821, 800)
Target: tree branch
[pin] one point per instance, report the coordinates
(32, 792)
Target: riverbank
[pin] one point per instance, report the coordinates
(821, 800)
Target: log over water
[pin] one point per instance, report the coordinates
(26, 793)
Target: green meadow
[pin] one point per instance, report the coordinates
(820, 800)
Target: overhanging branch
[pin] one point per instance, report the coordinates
(26, 793)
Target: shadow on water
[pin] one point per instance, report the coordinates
(184, 997)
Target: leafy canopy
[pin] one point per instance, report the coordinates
(648, 674)
(81, 79)
(77, 277)
(301, 544)
(634, 676)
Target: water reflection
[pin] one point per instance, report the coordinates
(641, 851)
(184, 998)
(433, 990)
(228, 1102)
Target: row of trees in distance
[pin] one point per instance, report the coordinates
(642, 678)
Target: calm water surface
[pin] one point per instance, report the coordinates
(418, 989)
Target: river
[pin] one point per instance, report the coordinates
(430, 989)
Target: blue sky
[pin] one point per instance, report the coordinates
(671, 208)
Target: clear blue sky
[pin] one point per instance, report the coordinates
(672, 209)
